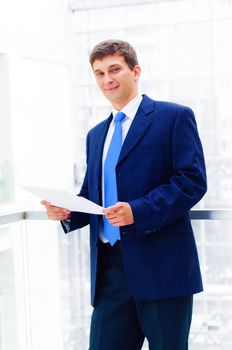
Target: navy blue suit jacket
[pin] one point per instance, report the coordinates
(161, 173)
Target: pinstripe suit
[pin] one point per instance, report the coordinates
(161, 173)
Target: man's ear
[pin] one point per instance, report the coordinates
(137, 72)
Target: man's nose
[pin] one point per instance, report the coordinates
(107, 78)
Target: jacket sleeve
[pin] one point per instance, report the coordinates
(186, 186)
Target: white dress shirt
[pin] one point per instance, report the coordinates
(130, 110)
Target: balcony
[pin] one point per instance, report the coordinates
(44, 283)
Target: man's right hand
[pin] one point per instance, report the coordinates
(56, 213)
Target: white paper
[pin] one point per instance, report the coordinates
(65, 199)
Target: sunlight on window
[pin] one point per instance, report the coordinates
(48, 102)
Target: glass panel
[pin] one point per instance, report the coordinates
(44, 284)
(212, 319)
(45, 289)
(6, 181)
(212, 316)
(13, 318)
(6, 164)
(184, 51)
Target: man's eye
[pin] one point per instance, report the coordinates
(115, 70)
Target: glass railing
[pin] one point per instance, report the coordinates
(44, 283)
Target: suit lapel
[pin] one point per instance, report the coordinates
(100, 136)
(140, 124)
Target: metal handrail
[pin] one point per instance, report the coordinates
(77, 5)
(196, 214)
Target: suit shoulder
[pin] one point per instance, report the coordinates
(167, 107)
(98, 126)
(172, 107)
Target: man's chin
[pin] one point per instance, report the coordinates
(112, 99)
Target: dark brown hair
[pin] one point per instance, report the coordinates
(111, 47)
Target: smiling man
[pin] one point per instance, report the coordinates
(116, 79)
(145, 165)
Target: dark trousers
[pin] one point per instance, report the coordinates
(119, 322)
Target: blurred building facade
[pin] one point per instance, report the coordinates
(185, 53)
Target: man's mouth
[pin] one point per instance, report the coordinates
(112, 88)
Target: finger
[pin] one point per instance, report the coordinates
(46, 203)
(58, 209)
(57, 212)
(110, 215)
(113, 208)
(118, 205)
(108, 211)
(115, 221)
(58, 216)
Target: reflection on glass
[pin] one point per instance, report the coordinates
(8, 294)
(6, 181)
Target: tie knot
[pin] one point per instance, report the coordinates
(119, 117)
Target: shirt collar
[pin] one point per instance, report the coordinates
(131, 108)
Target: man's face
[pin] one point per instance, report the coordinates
(116, 80)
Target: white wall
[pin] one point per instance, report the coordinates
(34, 39)
(36, 135)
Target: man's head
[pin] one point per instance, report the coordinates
(116, 70)
(112, 47)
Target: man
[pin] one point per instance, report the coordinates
(146, 167)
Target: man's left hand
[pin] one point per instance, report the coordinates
(119, 214)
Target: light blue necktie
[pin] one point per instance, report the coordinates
(111, 232)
